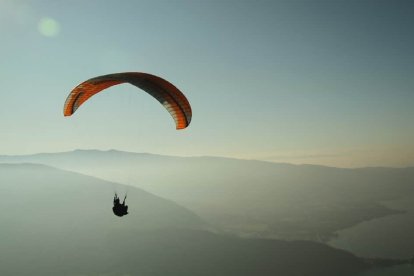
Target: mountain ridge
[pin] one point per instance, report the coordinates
(276, 200)
(193, 156)
(56, 222)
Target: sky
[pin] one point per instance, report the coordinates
(316, 82)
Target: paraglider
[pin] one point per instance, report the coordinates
(165, 92)
(119, 209)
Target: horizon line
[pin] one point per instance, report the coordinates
(203, 156)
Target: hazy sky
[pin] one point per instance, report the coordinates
(323, 82)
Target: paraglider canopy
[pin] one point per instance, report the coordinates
(165, 92)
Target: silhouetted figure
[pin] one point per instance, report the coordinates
(120, 209)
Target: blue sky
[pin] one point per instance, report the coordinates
(322, 82)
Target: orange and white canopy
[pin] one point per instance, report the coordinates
(165, 92)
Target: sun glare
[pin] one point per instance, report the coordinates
(48, 27)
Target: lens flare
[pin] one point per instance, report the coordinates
(48, 27)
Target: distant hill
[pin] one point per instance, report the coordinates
(37, 191)
(55, 222)
(248, 197)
